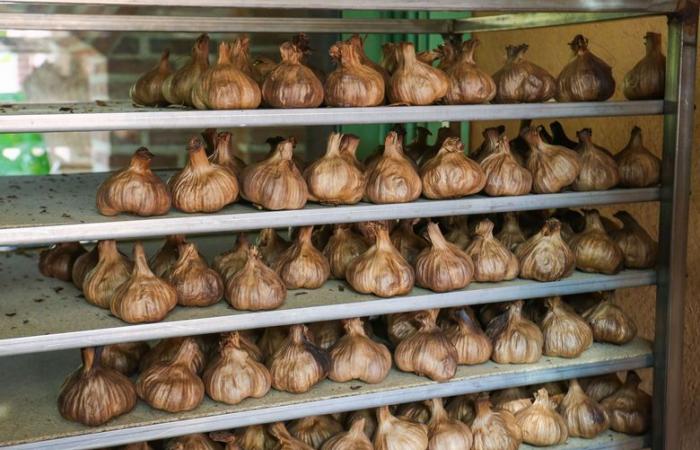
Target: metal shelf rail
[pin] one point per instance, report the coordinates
(32, 393)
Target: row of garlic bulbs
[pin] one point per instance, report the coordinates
(235, 81)
(390, 175)
(540, 415)
(175, 375)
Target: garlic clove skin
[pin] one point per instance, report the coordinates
(516, 340)
(352, 84)
(610, 323)
(540, 423)
(511, 236)
(292, 84)
(603, 386)
(566, 334)
(504, 174)
(494, 430)
(638, 166)
(450, 173)
(406, 241)
(595, 251)
(545, 256)
(442, 267)
(225, 437)
(584, 417)
(471, 343)
(177, 87)
(553, 168)
(196, 284)
(255, 437)
(353, 439)
(640, 249)
(511, 399)
(492, 260)
(228, 264)
(224, 154)
(402, 325)
(165, 258)
(446, 433)
(599, 170)
(461, 408)
(520, 81)
(393, 177)
(366, 415)
(342, 248)
(629, 408)
(124, 358)
(285, 441)
(255, 287)
(271, 245)
(586, 78)
(234, 375)
(173, 386)
(240, 57)
(166, 349)
(358, 43)
(314, 430)
(81, 266)
(298, 364)
(394, 433)
(417, 412)
(428, 352)
(325, 334)
(468, 83)
(58, 260)
(414, 82)
(196, 441)
(82, 394)
(110, 272)
(148, 89)
(302, 266)
(356, 357)
(647, 79)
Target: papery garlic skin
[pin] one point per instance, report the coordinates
(458, 231)
(511, 236)
(228, 263)
(647, 79)
(82, 265)
(545, 256)
(553, 168)
(610, 323)
(196, 284)
(226, 437)
(515, 339)
(461, 408)
(406, 241)
(638, 166)
(414, 82)
(196, 441)
(148, 89)
(325, 334)
(603, 386)
(352, 84)
(81, 398)
(584, 417)
(58, 260)
(494, 430)
(393, 178)
(586, 78)
(417, 412)
(504, 174)
(599, 170)
(396, 434)
(471, 343)
(511, 399)
(492, 260)
(255, 287)
(315, 430)
(428, 352)
(271, 245)
(596, 251)
(468, 83)
(450, 173)
(224, 154)
(342, 248)
(446, 433)
(356, 357)
(177, 88)
(629, 408)
(520, 81)
(402, 325)
(298, 364)
(442, 267)
(566, 334)
(255, 437)
(111, 270)
(285, 441)
(368, 416)
(240, 57)
(302, 266)
(358, 43)
(166, 349)
(292, 84)
(353, 439)
(124, 358)
(640, 249)
(163, 260)
(540, 423)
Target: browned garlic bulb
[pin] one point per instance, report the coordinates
(226, 437)
(511, 399)
(471, 343)
(255, 287)
(353, 83)
(402, 325)
(511, 235)
(586, 78)
(58, 260)
(225, 86)
(228, 263)
(492, 260)
(598, 168)
(450, 173)
(196, 441)
(600, 387)
(357, 357)
(610, 323)
(137, 446)
(148, 89)
(540, 423)
(82, 395)
(488, 145)
(271, 340)
(315, 430)
(629, 408)
(134, 190)
(566, 334)
(232, 376)
(394, 433)
(638, 166)
(413, 82)
(357, 41)
(494, 430)
(393, 177)
(545, 256)
(353, 439)
(369, 418)
(202, 186)
(458, 231)
(415, 412)
(285, 441)
(444, 432)
(325, 334)
(639, 248)
(177, 88)
(647, 79)
(298, 364)
(342, 248)
(584, 417)
(166, 349)
(468, 83)
(520, 81)
(553, 167)
(442, 267)
(461, 408)
(162, 262)
(111, 270)
(302, 266)
(271, 245)
(83, 264)
(516, 340)
(292, 84)
(407, 241)
(334, 179)
(276, 183)
(195, 282)
(595, 250)
(504, 174)
(255, 437)
(125, 357)
(143, 297)
(428, 352)
(240, 56)
(381, 270)
(225, 155)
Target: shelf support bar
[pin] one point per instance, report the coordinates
(675, 193)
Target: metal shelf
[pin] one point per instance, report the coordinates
(121, 115)
(61, 208)
(29, 395)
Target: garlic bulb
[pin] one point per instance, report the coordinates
(488, 145)
(271, 245)
(342, 248)
(381, 270)
(233, 375)
(450, 173)
(224, 154)
(82, 395)
(458, 231)
(353, 439)
(148, 89)
(143, 297)
(545, 256)
(357, 357)
(442, 267)
(195, 282)
(603, 386)
(162, 262)
(255, 287)
(397, 434)
(358, 43)
(325, 334)
(553, 168)
(406, 241)
(334, 179)
(468, 83)
(516, 340)
(298, 364)
(414, 82)
(610, 323)
(111, 270)
(135, 190)
(629, 408)
(292, 84)
(202, 186)
(166, 349)
(315, 430)
(540, 423)
(492, 260)
(196, 441)
(419, 147)
(302, 266)
(417, 412)
(366, 415)
(511, 235)
(240, 56)
(584, 417)
(255, 437)
(353, 83)
(586, 78)
(461, 408)
(177, 87)
(647, 79)
(137, 446)
(639, 248)
(173, 385)
(276, 183)
(471, 343)
(559, 136)
(448, 53)
(511, 399)
(520, 81)
(428, 352)
(228, 263)
(504, 174)
(58, 260)
(494, 430)
(286, 441)
(225, 86)
(393, 177)
(124, 358)
(598, 168)
(402, 325)
(390, 57)
(596, 251)
(80, 267)
(638, 166)
(225, 437)
(566, 334)
(444, 432)
(271, 339)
